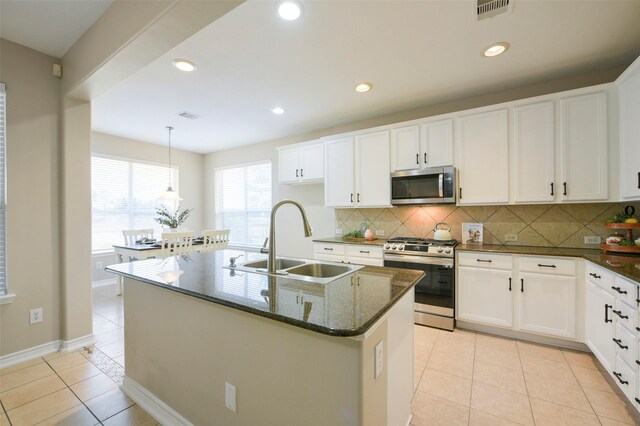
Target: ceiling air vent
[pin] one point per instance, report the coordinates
(490, 8)
(189, 115)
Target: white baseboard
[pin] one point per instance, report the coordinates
(152, 404)
(102, 283)
(44, 349)
(70, 345)
(29, 354)
(553, 341)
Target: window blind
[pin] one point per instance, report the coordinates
(243, 202)
(3, 193)
(123, 196)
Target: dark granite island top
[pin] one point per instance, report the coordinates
(339, 310)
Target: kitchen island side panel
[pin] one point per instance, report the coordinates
(183, 350)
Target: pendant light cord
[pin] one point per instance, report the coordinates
(170, 129)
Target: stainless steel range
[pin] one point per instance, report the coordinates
(434, 297)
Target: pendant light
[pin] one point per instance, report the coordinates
(170, 194)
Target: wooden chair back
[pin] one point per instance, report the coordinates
(133, 235)
(215, 239)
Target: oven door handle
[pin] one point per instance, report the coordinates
(441, 185)
(446, 262)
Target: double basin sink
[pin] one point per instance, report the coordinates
(299, 269)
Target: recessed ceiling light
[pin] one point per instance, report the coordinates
(363, 87)
(495, 49)
(289, 10)
(184, 65)
(277, 110)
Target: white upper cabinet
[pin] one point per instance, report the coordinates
(301, 163)
(373, 181)
(338, 172)
(482, 158)
(357, 172)
(419, 146)
(533, 149)
(583, 147)
(629, 99)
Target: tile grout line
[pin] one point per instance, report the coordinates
(5, 413)
(524, 378)
(581, 387)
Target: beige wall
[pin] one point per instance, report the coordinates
(32, 190)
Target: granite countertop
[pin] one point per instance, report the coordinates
(341, 308)
(540, 251)
(359, 241)
(627, 266)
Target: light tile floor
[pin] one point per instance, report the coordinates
(75, 388)
(461, 378)
(468, 378)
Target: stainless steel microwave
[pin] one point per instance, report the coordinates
(424, 186)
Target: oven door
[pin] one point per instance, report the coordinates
(425, 186)
(434, 293)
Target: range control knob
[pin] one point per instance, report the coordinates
(439, 249)
(447, 250)
(394, 247)
(400, 247)
(387, 246)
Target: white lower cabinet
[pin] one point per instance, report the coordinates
(598, 323)
(548, 304)
(484, 296)
(499, 290)
(349, 253)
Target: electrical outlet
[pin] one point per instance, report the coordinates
(379, 233)
(35, 316)
(230, 396)
(594, 239)
(98, 265)
(338, 231)
(378, 359)
(511, 237)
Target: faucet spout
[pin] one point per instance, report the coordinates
(271, 262)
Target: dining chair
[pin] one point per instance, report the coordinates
(215, 239)
(133, 235)
(176, 243)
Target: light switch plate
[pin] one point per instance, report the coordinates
(511, 237)
(230, 396)
(593, 239)
(338, 231)
(378, 359)
(379, 233)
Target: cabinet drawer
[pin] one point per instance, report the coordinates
(371, 261)
(329, 257)
(599, 276)
(624, 376)
(337, 249)
(364, 251)
(548, 265)
(625, 290)
(485, 260)
(625, 314)
(626, 344)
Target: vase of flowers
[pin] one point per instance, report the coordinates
(172, 220)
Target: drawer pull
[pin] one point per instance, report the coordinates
(328, 249)
(484, 260)
(638, 400)
(619, 290)
(521, 285)
(619, 343)
(637, 362)
(637, 328)
(619, 377)
(365, 251)
(606, 313)
(595, 275)
(619, 313)
(540, 265)
(509, 283)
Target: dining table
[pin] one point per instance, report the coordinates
(142, 251)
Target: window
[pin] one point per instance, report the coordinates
(124, 196)
(243, 202)
(3, 197)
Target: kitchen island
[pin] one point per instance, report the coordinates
(296, 352)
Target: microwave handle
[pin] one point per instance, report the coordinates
(441, 185)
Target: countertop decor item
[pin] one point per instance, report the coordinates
(171, 220)
(625, 243)
(472, 233)
(442, 234)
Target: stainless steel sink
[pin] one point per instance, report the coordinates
(319, 270)
(312, 271)
(280, 264)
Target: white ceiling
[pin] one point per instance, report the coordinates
(48, 26)
(415, 52)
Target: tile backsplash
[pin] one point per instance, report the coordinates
(547, 225)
